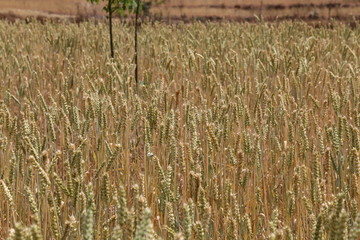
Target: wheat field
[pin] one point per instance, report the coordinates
(235, 131)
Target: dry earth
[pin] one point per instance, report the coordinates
(185, 9)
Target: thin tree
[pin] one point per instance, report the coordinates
(110, 11)
(115, 7)
(139, 7)
(137, 12)
(120, 7)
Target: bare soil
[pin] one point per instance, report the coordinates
(240, 10)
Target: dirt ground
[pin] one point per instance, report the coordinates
(190, 9)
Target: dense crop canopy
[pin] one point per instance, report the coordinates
(237, 131)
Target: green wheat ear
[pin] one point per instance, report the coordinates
(145, 229)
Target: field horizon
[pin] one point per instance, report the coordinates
(198, 9)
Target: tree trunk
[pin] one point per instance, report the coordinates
(111, 30)
(136, 41)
